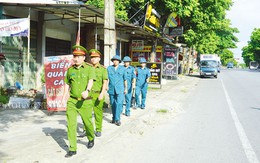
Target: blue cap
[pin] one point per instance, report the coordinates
(127, 59)
(18, 85)
(142, 60)
(116, 57)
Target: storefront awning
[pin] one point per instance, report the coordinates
(89, 15)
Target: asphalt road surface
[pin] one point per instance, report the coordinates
(220, 124)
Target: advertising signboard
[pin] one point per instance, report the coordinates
(152, 20)
(155, 69)
(170, 61)
(14, 27)
(55, 71)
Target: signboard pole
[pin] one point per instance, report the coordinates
(161, 77)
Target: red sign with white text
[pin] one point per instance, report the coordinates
(55, 71)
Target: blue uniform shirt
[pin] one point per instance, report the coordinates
(130, 75)
(116, 79)
(142, 75)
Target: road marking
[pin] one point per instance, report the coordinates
(249, 151)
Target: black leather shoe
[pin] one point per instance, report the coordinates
(70, 153)
(83, 134)
(98, 134)
(90, 144)
(113, 121)
(118, 123)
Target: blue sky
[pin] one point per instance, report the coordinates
(245, 15)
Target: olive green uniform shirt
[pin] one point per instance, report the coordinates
(101, 74)
(77, 78)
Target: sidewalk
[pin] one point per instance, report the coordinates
(36, 137)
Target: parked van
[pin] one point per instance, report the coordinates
(209, 65)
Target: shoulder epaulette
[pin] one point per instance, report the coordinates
(89, 64)
(71, 66)
(102, 66)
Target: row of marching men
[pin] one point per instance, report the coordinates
(87, 85)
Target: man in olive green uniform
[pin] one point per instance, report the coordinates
(79, 78)
(98, 89)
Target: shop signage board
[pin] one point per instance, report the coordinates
(145, 53)
(176, 31)
(156, 72)
(14, 27)
(152, 20)
(137, 44)
(170, 58)
(55, 71)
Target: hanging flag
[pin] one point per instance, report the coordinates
(171, 21)
(14, 27)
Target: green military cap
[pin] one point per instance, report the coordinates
(79, 50)
(94, 53)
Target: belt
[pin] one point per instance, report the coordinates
(95, 91)
(81, 99)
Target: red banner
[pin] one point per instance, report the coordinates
(55, 70)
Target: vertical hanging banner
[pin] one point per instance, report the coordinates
(55, 71)
(14, 27)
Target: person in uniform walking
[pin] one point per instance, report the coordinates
(117, 87)
(142, 79)
(79, 78)
(130, 76)
(98, 89)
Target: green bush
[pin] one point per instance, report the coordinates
(4, 99)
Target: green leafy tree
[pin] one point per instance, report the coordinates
(227, 56)
(205, 25)
(121, 7)
(251, 52)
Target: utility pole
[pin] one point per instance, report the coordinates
(1, 14)
(109, 32)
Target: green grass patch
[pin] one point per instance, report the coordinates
(184, 90)
(162, 111)
(153, 88)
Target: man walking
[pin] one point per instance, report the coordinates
(142, 79)
(98, 89)
(131, 77)
(79, 78)
(117, 87)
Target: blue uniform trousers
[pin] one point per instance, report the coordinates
(128, 98)
(143, 91)
(116, 102)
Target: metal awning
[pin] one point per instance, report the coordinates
(89, 15)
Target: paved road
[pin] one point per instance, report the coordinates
(220, 124)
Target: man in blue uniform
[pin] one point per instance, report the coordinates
(117, 87)
(130, 76)
(143, 75)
